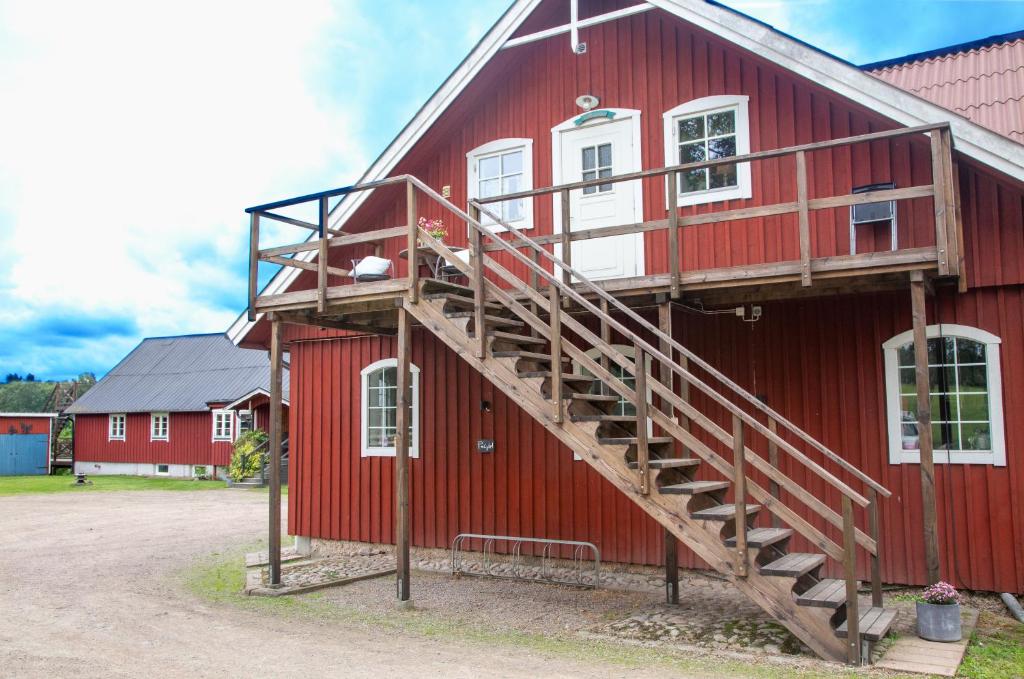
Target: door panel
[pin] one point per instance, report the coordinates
(23, 454)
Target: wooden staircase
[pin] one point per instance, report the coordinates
(786, 584)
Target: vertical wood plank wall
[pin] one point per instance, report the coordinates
(190, 442)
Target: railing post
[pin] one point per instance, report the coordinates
(673, 232)
(606, 333)
(804, 218)
(643, 454)
(850, 574)
(566, 236)
(476, 263)
(773, 460)
(321, 276)
(739, 450)
(555, 312)
(876, 558)
(939, 198)
(534, 285)
(412, 248)
(254, 261)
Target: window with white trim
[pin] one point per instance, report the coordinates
(965, 394)
(499, 167)
(163, 469)
(223, 425)
(115, 427)
(158, 426)
(379, 418)
(707, 129)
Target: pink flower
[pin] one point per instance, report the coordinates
(942, 593)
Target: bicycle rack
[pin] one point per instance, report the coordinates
(518, 570)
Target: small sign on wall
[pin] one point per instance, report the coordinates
(485, 446)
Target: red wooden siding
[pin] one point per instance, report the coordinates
(190, 441)
(24, 425)
(819, 362)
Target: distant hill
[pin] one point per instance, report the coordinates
(25, 397)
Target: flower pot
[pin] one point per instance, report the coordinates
(938, 622)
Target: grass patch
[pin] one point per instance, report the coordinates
(996, 650)
(23, 485)
(220, 580)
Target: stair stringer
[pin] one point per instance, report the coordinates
(774, 594)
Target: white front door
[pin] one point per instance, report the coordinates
(593, 151)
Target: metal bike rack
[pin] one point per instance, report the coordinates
(489, 567)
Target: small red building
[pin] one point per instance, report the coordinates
(25, 443)
(795, 279)
(173, 406)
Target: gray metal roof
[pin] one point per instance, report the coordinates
(178, 374)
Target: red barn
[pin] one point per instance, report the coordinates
(173, 406)
(712, 273)
(25, 443)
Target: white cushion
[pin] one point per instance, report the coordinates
(371, 266)
(461, 255)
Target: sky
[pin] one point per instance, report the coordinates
(133, 135)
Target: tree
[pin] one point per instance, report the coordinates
(30, 378)
(13, 377)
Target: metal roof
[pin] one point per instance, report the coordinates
(178, 374)
(981, 80)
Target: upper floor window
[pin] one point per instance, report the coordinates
(500, 167)
(380, 409)
(158, 426)
(707, 129)
(965, 394)
(223, 425)
(115, 427)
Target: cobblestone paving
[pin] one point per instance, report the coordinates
(324, 571)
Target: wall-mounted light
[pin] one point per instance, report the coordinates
(587, 102)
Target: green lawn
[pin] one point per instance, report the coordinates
(21, 485)
(996, 650)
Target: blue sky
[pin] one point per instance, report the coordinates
(132, 135)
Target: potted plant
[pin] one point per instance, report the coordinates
(434, 228)
(938, 613)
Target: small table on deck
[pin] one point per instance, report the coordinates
(433, 261)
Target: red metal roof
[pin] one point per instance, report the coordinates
(983, 82)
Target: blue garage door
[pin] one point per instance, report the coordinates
(23, 454)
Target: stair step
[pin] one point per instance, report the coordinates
(668, 463)
(874, 624)
(460, 300)
(694, 487)
(793, 565)
(531, 355)
(762, 537)
(723, 512)
(566, 377)
(432, 285)
(511, 337)
(602, 417)
(825, 594)
(489, 319)
(629, 440)
(596, 398)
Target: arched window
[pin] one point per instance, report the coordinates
(706, 129)
(965, 393)
(380, 409)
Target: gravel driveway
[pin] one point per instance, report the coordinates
(85, 592)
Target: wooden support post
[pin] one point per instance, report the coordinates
(476, 263)
(667, 377)
(566, 236)
(535, 285)
(939, 200)
(804, 218)
(671, 567)
(606, 333)
(773, 460)
(739, 452)
(924, 425)
(402, 425)
(673, 233)
(555, 320)
(643, 454)
(322, 217)
(412, 248)
(254, 261)
(876, 558)
(321, 276)
(850, 574)
(276, 434)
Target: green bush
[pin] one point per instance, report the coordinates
(248, 457)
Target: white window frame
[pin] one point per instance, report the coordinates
(364, 419)
(113, 417)
(993, 373)
(738, 102)
(231, 425)
(156, 470)
(153, 436)
(493, 148)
